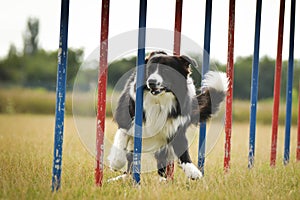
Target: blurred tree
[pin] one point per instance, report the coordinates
(11, 70)
(30, 36)
(39, 70)
(296, 74)
(12, 52)
(242, 77)
(266, 77)
(118, 68)
(36, 67)
(75, 58)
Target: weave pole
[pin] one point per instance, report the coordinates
(277, 81)
(205, 68)
(176, 52)
(254, 85)
(177, 27)
(60, 96)
(138, 132)
(289, 87)
(298, 138)
(101, 104)
(229, 97)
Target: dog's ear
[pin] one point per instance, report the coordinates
(187, 62)
(154, 53)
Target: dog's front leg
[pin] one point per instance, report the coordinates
(161, 157)
(180, 146)
(117, 157)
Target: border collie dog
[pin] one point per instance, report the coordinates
(170, 106)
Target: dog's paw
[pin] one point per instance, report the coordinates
(191, 171)
(162, 179)
(123, 177)
(117, 158)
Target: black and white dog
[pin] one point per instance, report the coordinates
(170, 106)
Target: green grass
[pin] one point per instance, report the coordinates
(41, 101)
(241, 111)
(26, 145)
(22, 100)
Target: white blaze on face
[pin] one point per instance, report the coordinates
(156, 77)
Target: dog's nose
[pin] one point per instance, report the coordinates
(153, 83)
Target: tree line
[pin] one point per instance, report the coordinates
(39, 70)
(242, 75)
(35, 67)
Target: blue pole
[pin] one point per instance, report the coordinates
(139, 92)
(60, 95)
(205, 68)
(289, 87)
(254, 85)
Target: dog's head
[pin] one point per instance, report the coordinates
(166, 73)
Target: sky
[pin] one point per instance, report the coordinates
(84, 24)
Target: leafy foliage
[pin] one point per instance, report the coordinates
(38, 70)
(118, 68)
(36, 67)
(243, 73)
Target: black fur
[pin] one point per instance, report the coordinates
(125, 110)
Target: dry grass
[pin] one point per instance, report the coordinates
(41, 101)
(26, 145)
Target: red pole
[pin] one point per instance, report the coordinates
(229, 97)
(176, 52)
(298, 142)
(102, 81)
(277, 85)
(177, 28)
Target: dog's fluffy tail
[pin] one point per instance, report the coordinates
(213, 93)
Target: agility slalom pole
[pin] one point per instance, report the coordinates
(101, 104)
(60, 95)
(230, 74)
(177, 27)
(176, 52)
(254, 85)
(289, 87)
(298, 138)
(205, 68)
(138, 132)
(277, 81)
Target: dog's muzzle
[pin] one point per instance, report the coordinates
(155, 86)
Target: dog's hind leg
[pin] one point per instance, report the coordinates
(129, 157)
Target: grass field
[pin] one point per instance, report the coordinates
(26, 145)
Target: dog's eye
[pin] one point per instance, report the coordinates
(151, 69)
(165, 69)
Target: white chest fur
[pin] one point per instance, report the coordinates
(158, 127)
(157, 109)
